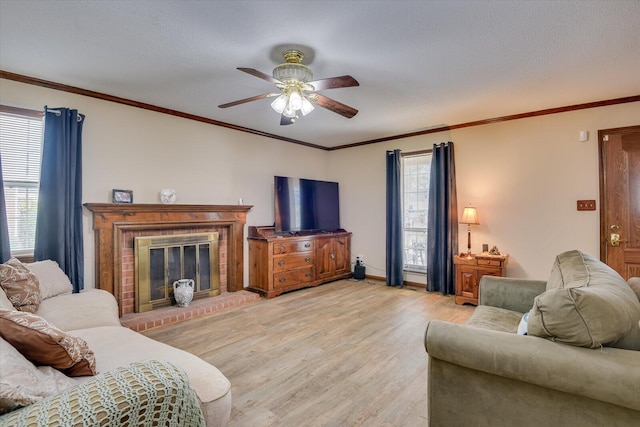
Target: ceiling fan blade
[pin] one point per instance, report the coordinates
(259, 74)
(242, 101)
(334, 83)
(284, 120)
(333, 105)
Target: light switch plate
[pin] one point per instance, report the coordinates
(586, 205)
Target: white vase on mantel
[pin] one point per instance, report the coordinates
(168, 196)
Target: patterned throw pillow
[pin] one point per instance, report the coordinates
(44, 344)
(20, 285)
(22, 384)
(53, 281)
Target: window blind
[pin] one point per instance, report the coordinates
(21, 151)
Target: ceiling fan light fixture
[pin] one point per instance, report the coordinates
(297, 87)
(293, 69)
(280, 103)
(295, 100)
(288, 112)
(295, 72)
(307, 106)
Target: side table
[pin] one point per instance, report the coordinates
(469, 271)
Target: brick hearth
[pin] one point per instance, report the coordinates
(202, 307)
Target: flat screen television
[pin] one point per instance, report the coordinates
(306, 205)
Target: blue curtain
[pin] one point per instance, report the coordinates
(394, 258)
(59, 219)
(5, 248)
(442, 227)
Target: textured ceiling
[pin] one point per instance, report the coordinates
(420, 64)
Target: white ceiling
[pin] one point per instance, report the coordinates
(420, 64)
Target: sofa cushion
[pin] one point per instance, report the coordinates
(20, 285)
(118, 346)
(86, 309)
(494, 318)
(44, 344)
(53, 281)
(586, 304)
(22, 383)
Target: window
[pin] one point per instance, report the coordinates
(21, 150)
(416, 169)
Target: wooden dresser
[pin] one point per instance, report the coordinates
(470, 271)
(281, 263)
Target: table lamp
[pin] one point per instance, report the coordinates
(469, 217)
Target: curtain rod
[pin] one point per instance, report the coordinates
(57, 112)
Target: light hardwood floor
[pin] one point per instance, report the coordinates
(346, 353)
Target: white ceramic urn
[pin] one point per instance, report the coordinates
(183, 291)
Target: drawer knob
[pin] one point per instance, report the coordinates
(308, 259)
(281, 262)
(281, 248)
(307, 245)
(282, 280)
(308, 275)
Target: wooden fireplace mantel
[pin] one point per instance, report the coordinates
(110, 220)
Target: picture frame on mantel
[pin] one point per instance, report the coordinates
(122, 196)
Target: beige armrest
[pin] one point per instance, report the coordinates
(509, 293)
(608, 374)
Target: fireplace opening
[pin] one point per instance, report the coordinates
(162, 260)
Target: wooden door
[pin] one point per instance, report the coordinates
(324, 254)
(620, 199)
(342, 253)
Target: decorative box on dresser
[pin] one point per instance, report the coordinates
(469, 271)
(282, 262)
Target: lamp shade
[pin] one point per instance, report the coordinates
(469, 216)
(280, 103)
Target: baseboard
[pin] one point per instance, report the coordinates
(405, 283)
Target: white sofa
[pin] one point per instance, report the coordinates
(93, 316)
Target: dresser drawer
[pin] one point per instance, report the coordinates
(293, 277)
(490, 262)
(293, 247)
(293, 261)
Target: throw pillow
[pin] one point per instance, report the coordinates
(568, 271)
(4, 301)
(22, 384)
(588, 304)
(53, 281)
(20, 285)
(44, 344)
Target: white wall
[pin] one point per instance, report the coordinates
(524, 177)
(145, 151)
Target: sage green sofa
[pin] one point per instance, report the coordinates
(483, 373)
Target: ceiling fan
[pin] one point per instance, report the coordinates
(297, 90)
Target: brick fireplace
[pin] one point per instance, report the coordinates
(116, 225)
